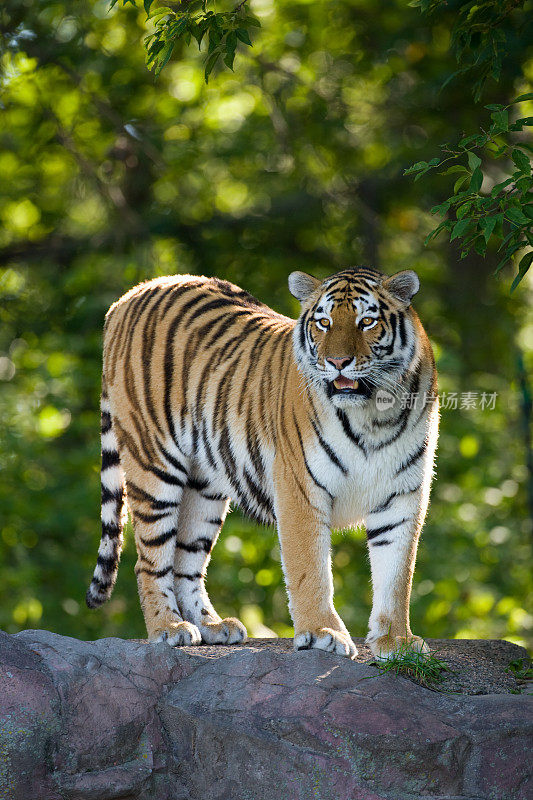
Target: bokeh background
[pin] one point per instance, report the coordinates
(294, 161)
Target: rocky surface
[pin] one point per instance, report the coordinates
(127, 720)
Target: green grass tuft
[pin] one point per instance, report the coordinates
(521, 668)
(423, 668)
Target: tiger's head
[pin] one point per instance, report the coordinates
(356, 332)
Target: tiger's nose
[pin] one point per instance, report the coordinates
(339, 363)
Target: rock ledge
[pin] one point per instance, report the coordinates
(126, 720)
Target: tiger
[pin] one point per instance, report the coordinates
(210, 396)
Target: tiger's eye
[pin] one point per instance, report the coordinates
(324, 321)
(366, 321)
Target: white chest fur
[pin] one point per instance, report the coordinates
(366, 473)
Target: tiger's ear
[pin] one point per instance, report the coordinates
(404, 285)
(302, 285)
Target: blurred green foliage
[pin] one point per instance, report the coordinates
(295, 161)
(481, 211)
(220, 31)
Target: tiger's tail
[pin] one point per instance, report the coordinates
(113, 512)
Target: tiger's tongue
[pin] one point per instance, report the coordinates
(345, 383)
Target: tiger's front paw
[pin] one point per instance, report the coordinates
(387, 647)
(227, 631)
(177, 634)
(338, 642)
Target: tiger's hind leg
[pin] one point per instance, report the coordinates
(200, 520)
(154, 504)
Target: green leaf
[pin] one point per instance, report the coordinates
(495, 107)
(473, 160)
(524, 265)
(160, 11)
(242, 36)
(517, 216)
(415, 167)
(460, 182)
(455, 168)
(251, 22)
(488, 224)
(476, 139)
(509, 253)
(163, 57)
(527, 121)
(499, 186)
(445, 225)
(463, 209)
(522, 97)
(229, 58)
(476, 180)
(480, 246)
(147, 4)
(210, 63)
(460, 228)
(501, 120)
(231, 44)
(442, 208)
(522, 161)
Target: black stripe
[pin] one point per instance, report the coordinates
(200, 545)
(168, 371)
(140, 515)
(213, 496)
(308, 468)
(194, 577)
(371, 533)
(163, 538)
(327, 449)
(198, 485)
(253, 362)
(149, 335)
(164, 476)
(354, 437)
(226, 321)
(254, 449)
(108, 563)
(171, 460)
(384, 506)
(194, 438)
(302, 331)
(216, 521)
(412, 459)
(260, 497)
(110, 458)
(401, 328)
(157, 573)
(390, 347)
(379, 544)
(117, 495)
(207, 447)
(101, 585)
(139, 494)
(403, 417)
(110, 529)
(105, 422)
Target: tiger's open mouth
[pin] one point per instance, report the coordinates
(341, 385)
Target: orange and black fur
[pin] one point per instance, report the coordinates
(208, 394)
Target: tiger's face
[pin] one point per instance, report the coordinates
(356, 332)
